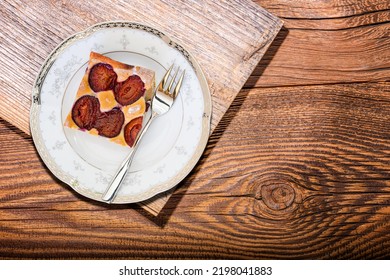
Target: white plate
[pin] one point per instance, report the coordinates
(171, 147)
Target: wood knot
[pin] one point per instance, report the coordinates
(277, 195)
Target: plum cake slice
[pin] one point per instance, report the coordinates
(111, 99)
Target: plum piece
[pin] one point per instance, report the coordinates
(102, 77)
(132, 129)
(85, 111)
(109, 124)
(129, 91)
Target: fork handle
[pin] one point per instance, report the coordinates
(115, 183)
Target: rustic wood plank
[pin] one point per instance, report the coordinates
(224, 38)
(289, 173)
(320, 9)
(327, 42)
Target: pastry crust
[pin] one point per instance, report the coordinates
(107, 98)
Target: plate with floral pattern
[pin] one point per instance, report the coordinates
(171, 147)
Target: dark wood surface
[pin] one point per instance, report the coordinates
(298, 167)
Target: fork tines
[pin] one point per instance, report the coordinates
(173, 81)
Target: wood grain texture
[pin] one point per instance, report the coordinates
(228, 39)
(306, 178)
(326, 42)
(290, 172)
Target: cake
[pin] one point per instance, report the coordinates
(111, 100)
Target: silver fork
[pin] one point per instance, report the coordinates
(163, 99)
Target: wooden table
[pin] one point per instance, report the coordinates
(298, 168)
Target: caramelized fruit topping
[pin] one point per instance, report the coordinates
(132, 129)
(129, 91)
(102, 77)
(85, 111)
(109, 124)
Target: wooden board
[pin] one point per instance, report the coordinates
(308, 179)
(326, 42)
(228, 39)
(328, 143)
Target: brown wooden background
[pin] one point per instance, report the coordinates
(227, 47)
(298, 168)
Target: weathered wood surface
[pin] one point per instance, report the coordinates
(327, 42)
(296, 172)
(292, 171)
(227, 39)
(227, 47)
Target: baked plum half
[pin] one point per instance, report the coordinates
(102, 77)
(109, 124)
(132, 129)
(129, 91)
(85, 111)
